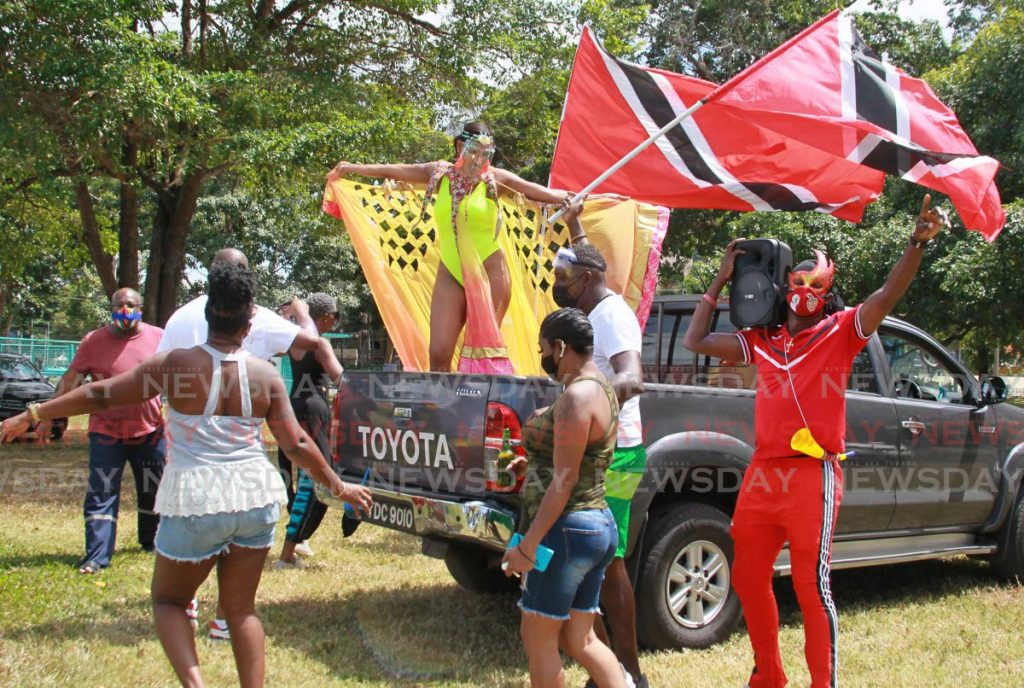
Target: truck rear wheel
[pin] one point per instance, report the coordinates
(1008, 562)
(478, 570)
(685, 597)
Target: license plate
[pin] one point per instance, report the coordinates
(394, 515)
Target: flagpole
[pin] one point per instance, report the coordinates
(717, 93)
(632, 154)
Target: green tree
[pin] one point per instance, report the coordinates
(983, 87)
(107, 95)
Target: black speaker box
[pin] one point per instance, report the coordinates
(759, 283)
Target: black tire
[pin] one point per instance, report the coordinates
(1008, 562)
(478, 570)
(675, 532)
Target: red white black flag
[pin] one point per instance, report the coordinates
(826, 88)
(719, 158)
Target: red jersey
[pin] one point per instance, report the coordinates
(103, 354)
(807, 373)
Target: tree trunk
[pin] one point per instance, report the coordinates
(167, 249)
(202, 34)
(128, 230)
(186, 28)
(151, 298)
(103, 261)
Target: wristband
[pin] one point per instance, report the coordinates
(918, 243)
(577, 238)
(519, 547)
(710, 300)
(33, 410)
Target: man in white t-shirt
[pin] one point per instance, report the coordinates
(269, 335)
(580, 283)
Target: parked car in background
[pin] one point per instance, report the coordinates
(21, 383)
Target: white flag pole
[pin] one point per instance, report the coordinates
(633, 153)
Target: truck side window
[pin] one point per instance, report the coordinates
(676, 364)
(919, 373)
(677, 360)
(715, 372)
(649, 348)
(862, 374)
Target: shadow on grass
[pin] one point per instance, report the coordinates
(406, 635)
(400, 636)
(20, 561)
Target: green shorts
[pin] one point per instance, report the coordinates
(620, 483)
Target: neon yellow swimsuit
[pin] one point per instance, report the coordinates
(478, 214)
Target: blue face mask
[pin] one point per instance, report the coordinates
(126, 318)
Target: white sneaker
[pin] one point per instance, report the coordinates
(219, 630)
(192, 612)
(303, 549)
(282, 565)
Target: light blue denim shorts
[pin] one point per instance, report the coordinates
(197, 538)
(584, 544)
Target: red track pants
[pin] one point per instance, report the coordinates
(796, 500)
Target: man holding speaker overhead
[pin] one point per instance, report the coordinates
(793, 487)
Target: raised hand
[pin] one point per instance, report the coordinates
(930, 222)
(338, 171)
(572, 206)
(729, 261)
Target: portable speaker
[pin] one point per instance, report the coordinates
(759, 283)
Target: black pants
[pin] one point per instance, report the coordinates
(307, 512)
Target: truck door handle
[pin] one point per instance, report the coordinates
(915, 427)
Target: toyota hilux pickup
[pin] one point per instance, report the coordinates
(936, 467)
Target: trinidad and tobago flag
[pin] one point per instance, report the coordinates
(826, 88)
(814, 125)
(718, 158)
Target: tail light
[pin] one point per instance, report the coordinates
(335, 427)
(500, 417)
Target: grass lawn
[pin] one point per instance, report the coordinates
(371, 611)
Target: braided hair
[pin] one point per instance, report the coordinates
(232, 294)
(572, 326)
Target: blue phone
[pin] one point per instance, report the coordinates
(544, 554)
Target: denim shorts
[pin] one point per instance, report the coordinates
(584, 544)
(197, 538)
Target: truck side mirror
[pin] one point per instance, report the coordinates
(993, 390)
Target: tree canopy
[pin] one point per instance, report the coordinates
(138, 137)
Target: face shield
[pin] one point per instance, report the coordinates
(475, 159)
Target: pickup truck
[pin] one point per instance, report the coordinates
(936, 471)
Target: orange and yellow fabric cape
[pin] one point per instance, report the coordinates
(399, 258)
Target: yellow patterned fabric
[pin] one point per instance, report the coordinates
(399, 256)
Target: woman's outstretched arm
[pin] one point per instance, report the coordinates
(141, 383)
(533, 191)
(417, 173)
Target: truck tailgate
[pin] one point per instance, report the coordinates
(413, 430)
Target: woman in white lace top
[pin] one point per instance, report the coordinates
(220, 497)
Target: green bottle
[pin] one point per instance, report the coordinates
(505, 457)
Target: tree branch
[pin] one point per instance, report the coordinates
(407, 18)
(103, 261)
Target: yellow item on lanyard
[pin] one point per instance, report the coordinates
(803, 441)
